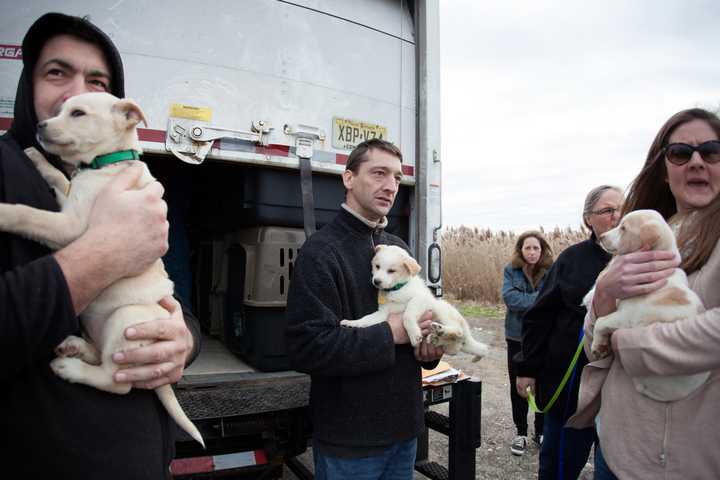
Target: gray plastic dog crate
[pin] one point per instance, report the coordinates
(254, 267)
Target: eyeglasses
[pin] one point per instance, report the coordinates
(609, 211)
(680, 153)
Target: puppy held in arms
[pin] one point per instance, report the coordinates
(96, 134)
(402, 291)
(638, 230)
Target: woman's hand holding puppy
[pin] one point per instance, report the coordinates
(630, 275)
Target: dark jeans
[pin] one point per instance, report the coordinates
(519, 404)
(568, 446)
(602, 471)
(397, 462)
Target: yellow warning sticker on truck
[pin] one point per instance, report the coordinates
(348, 133)
(178, 110)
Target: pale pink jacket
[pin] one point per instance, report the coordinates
(645, 439)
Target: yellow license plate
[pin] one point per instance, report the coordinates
(348, 133)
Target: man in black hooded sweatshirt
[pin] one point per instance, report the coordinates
(49, 426)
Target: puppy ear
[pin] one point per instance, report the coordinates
(130, 111)
(649, 235)
(411, 266)
(378, 248)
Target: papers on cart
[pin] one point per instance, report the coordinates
(442, 374)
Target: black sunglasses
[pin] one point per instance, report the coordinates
(680, 153)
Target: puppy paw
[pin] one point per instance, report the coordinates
(67, 368)
(434, 337)
(72, 346)
(437, 329)
(599, 350)
(36, 157)
(415, 339)
(347, 323)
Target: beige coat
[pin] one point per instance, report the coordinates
(645, 439)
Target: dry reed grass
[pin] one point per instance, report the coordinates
(473, 259)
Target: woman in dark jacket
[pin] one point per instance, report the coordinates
(522, 280)
(551, 334)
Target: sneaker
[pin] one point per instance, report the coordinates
(538, 439)
(518, 445)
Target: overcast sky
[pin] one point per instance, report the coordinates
(542, 101)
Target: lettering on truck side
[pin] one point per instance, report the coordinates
(11, 52)
(353, 134)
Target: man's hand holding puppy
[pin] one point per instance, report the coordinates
(163, 361)
(424, 352)
(127, 232)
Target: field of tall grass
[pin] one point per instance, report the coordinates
(473, 259)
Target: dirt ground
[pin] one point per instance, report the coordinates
(493, 457)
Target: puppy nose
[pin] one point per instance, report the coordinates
(376, 282)
(42, 125)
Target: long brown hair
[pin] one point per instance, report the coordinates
(546, 256)
(650, 189)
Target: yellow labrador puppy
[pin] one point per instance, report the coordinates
(646, 229)
(97, 130)
(402, 291)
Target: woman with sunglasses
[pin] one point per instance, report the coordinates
(640, 437)
(550, 338)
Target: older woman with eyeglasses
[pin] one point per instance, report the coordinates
(551, 334)
(640, 437)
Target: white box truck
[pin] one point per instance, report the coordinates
(253, 107)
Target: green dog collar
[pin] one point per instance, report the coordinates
(115, 157)
(396, 287)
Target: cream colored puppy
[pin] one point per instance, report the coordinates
(90, 127)
(646, 229)
(402, 291)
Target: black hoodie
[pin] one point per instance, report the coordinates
(552, 325)
(50, 427)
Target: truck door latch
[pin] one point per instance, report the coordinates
(305, 137)
(191, 142)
